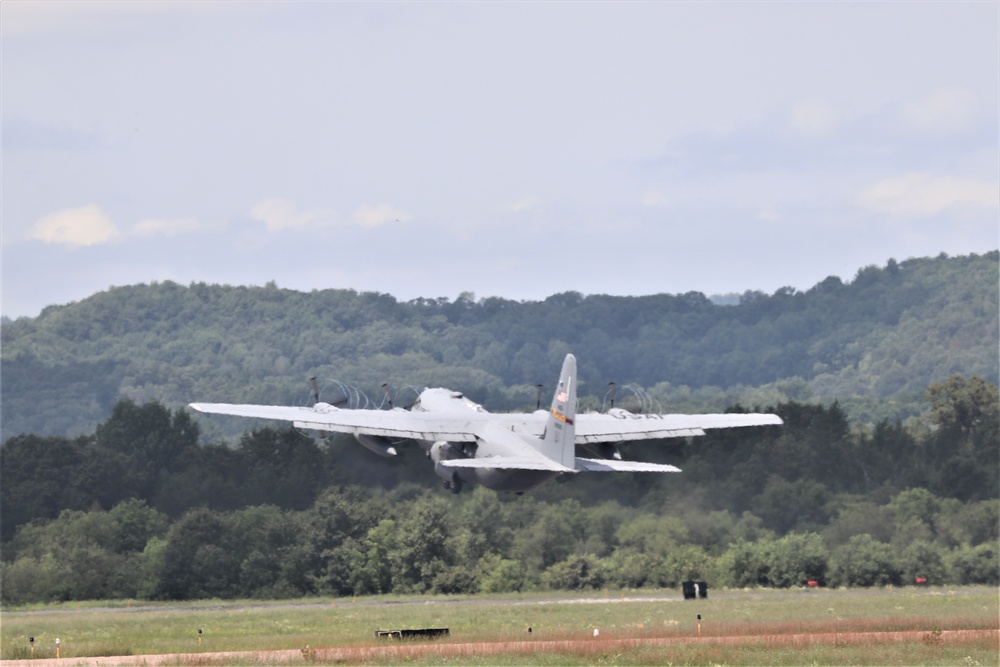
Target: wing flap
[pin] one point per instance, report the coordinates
(651, 434)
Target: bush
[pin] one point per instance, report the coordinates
(975, 565)
(863, 561)
(926, 560)
(500, 575)
(33, 580)
(745, 564)
(684, 563)
(797, 559)
(574, 573)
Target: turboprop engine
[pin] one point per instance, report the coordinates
(446, 451)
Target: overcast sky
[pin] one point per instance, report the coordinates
(507, 149)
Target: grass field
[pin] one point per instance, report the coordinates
(627, 624)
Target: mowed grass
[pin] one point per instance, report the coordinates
(119, 629)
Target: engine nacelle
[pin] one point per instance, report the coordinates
(376, 443)
(444, 451)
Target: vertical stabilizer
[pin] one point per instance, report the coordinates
(559, 441)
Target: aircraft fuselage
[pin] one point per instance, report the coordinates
(498, 442)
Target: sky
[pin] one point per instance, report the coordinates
(506, 149)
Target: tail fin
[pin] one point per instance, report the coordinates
(559, 441)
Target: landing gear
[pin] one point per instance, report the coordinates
(454, 484)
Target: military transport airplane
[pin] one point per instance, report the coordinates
(503, 452)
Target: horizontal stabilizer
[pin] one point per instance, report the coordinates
(613, 465)
(507, 463)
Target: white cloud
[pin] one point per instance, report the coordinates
(523, 205)
(945, 112)
(917, 193)
(653, 198)
(280, 214)
(152, 227)
(375, 216)
(32, 17)
(86, 226)
(813, 119)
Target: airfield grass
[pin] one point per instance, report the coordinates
(123, 628)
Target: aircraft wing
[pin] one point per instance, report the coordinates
(621, 427)
(398, 424)
(388, 423)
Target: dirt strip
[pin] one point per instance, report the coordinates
(396, 651)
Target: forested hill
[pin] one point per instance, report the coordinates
(890, 331)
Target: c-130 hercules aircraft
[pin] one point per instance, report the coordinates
(503, 452)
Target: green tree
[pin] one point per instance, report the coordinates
(154, 439)
(375, 574)
(961, 451)
(856, 516)
(135, 524)
(197, 562)
(925, 560)
(629, 568)
(787, 505)
(500, 575)
(339, 515)
(551, 538)
(796, 559)
(574, 573)
(685, 563)
(34, 579)
(965, 405)
(280, 467)
(40, 477)
(745, 564)
(98, 553)
(422, 538)
(975, 565)
(863, 561)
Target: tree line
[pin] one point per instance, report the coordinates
(412, 541)
(873, 343)
(143, 508)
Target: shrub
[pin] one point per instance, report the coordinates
(864, 561)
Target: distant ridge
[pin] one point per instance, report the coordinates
(889, 332)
